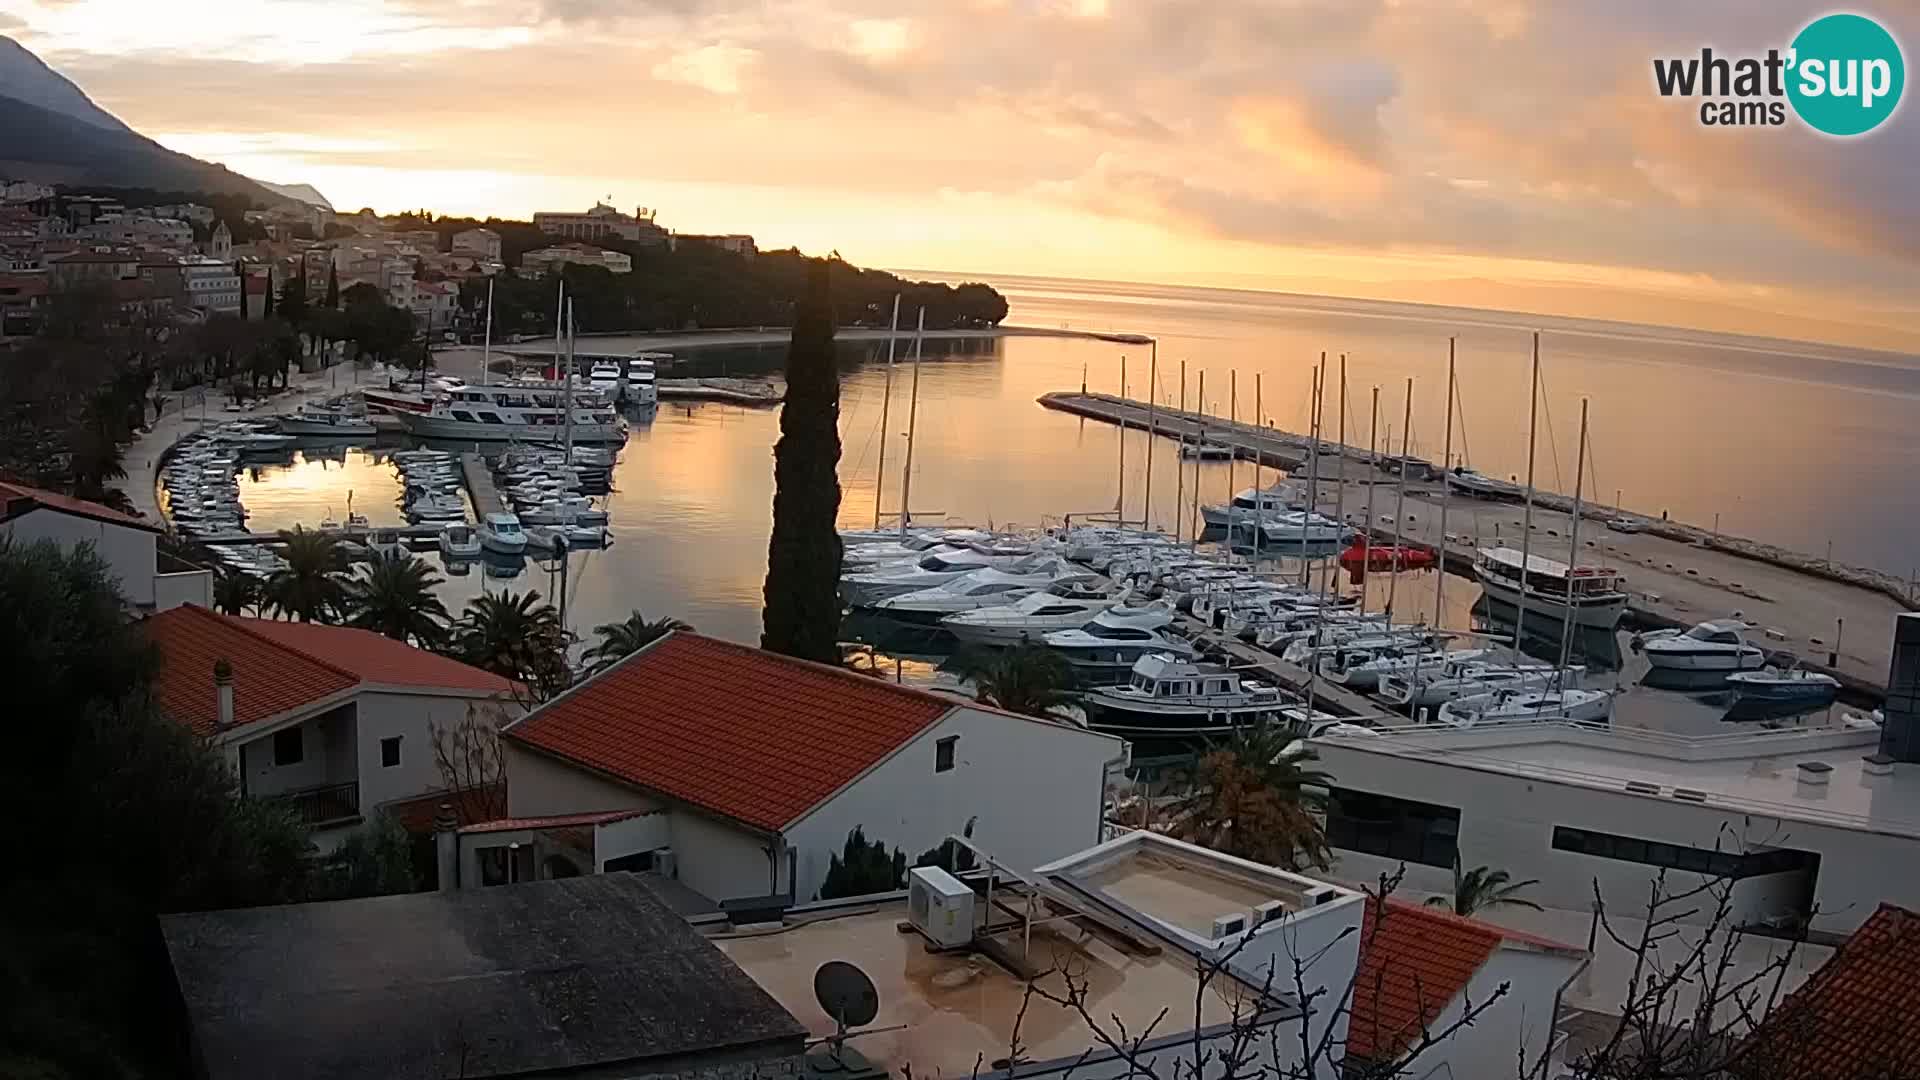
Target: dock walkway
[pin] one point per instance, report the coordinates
(486, 497)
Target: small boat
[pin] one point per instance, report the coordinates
(582, 536)
(460, 542)
(1361, 556)
(1479, 485)
(1504, 706)
(501, 533)
(1434, 684)
(566, 511)
(327, 421)
(1772, 692)
(1170, 695)
(604, 376)
(1301, 527)
(868, 588)
(1709, 646)
(437, 508)
(1209, 451)
(1362, 669)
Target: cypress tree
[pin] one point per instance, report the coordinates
(240, 272)
(333, 288)
(802, 612)
(268, 312)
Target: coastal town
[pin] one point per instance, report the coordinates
(478, 641)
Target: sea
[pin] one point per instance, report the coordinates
(1803, 445)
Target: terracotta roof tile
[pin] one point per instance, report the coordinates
(552, 821)
(11, 495)
(751, 735)
(1414, 960)
(1855, 1016)
(279, 666)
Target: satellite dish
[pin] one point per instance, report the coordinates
(846, 994)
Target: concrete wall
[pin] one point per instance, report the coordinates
(1507, 822)
(538, 786)
(411, 716)
(187, 587)
(128, 552)
(719, 860)
(1035, 788)
(631, 837)
(1520, 1020)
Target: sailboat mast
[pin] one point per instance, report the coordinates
(886, 401)
(1399, 502)
(486, 341)
(1120, 491)
(1153, 397)
(1446, 489)
(559, 320)
(1259, 447)
(1313, 464)
(1199, 458)
(1233, 423)
(1366, 530)
(1180, 470)
(566, 387)
(1573, 547)
(913, 414)
(1340, 484)
(1526, 517)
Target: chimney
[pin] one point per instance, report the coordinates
(446, 848)
(223, 694)
(1900, 733)
(1812, 779)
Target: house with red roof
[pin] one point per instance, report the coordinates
(740, 773)
(336, 721)
(1423, 969)
(1855, 1016)
(149, 579)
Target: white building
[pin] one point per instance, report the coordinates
(149, 580)
(1804, 822)
(336, 722)
(210, 284)
(482, 242)
(733, 243)
(142, 229)
(434, 304)
(220, 243)
(602, 220)
(543, 261)
(741, 772)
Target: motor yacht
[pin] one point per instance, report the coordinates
(1249, 504)
(1363, 668)
(501, 533)
(1773, 692)
(604, 377)
(1597, 594)
(979, 589)
(869, 588)
(327, 420)
(1061, 606)
(526, 411)
(1104, 650)
(1708, 646)
(1506, 706)
(1169, 695)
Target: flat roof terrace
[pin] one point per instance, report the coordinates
(1186, 896)
(956, 1011)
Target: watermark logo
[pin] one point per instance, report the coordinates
(1843, 75)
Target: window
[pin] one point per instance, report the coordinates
(1724, 864)
(943, 753)
(1393, 828)
(390, 752)
(288, 748)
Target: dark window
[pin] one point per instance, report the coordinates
(1725, 864)
(491, 418)
(288, 748)
(390, 752)
(1393, 828)
(943, 753)
(463, 415)
(640, 860)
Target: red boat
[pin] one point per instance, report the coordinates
(1361, 557)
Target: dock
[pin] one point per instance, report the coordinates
(425, 532)
(1838, 620)
(754, 392)
(1327, 696)
(480, 487)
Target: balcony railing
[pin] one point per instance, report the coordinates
(324, 805)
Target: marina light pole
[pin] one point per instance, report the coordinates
(886, 401)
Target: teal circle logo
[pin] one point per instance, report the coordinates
(1846, 74)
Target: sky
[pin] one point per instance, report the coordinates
(1503, 153)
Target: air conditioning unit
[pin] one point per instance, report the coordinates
(664, 863)
(1229, 925)
(940, 906)
(1319, 894)
(1269, 911)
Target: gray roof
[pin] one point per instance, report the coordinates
(553, 976)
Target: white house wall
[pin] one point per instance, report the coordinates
(331, 730)
(1036, 789)
(719, 860)
(617, 839)
(411, 716)
(540, 786)
(1507, 823)
(1522, 1019)
(127, 551)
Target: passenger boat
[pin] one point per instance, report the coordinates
(527, 411)
(1709, 646)
(1776, 693)
(1170, 695)
(1062, 606)
(1597, 594)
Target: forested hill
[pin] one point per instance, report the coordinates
(698, 286)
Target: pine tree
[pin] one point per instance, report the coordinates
(333, 289)
(801, 616)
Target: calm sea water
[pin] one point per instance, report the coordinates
(1802, 445)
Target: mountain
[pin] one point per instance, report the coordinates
(52, 133)
(299, 193)
(25, 77)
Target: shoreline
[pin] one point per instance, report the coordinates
(644, 341)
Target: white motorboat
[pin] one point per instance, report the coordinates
(604, 377)
(583, 536)
(1168, 695)
(979, 589)
(856, 556)
(1479, 485)
(1358, 631)
(437, 508)
(1298, 527)
(1434, 684)
(1507, 706)
(1105, 649)
(501, 533)
(1062, 606)
(1597, 593)
(527, 411)
(255, 441)
(576, 510)
(1249, 504)
(869, 588)
(384, 543)
(330, 420)
(1708, 646)
(1362, 669)
(1772, 692)
(1208, 451)
(643, 379)
(460, 542)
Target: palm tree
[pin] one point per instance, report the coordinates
(1480, 888)
(308, 588)
(516, 636)
(624, 638)
(1251, 799)
(1029, 679)
(235, 593)
(394, 596)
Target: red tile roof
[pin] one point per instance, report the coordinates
(281, 666)
(1414, 960)
(1855, 1016)
(750, 735)
(18, 499)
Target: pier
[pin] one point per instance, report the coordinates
(1677, 574)
(480, 487)
(1327, 696)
